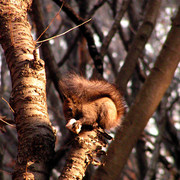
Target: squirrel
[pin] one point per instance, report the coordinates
(94, 103)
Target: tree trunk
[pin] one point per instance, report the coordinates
(28, 98)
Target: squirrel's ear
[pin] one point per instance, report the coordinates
(64, 97)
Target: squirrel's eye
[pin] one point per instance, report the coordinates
(69, 109)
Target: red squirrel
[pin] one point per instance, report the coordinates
(90, 102)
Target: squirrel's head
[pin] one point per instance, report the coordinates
(72, 108)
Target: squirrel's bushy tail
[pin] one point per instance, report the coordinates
(75, 86)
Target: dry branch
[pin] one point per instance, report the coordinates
(114, 27)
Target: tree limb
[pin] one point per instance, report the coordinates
(144, 106)
(138, 44)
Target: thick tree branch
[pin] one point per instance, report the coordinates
(138, 44)
(144, 106)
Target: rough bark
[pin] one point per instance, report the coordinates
(144, 106)
(84, 149)
(28, 98)
(46, 48)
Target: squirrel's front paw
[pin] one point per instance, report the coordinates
(74, 125)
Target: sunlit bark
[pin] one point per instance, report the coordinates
(28, 97)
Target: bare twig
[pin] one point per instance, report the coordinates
(138, 44)
(59, 35)
(8, 105)
(49, 24)
(69, 50)
(114, 27)
(96, 6)
(86, 31)
(5, 122)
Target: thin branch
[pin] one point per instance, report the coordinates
(114, 27)
(156, 153)
(4, 120)
(62, 34)
(86, 31)
(96, 7)
(8, 105)
(49, 24)
(69, 50)
(97, 29)
(173, 102)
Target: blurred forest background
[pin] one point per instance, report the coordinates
(114, 28)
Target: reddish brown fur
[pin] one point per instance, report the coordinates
(92, 101)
